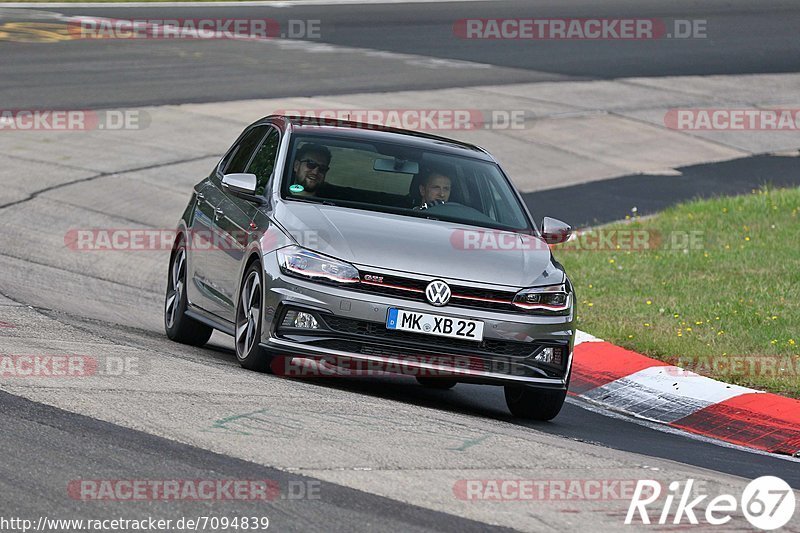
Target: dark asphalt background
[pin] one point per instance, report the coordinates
(605, 201)
(742, 37)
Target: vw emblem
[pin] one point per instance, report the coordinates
(438, 293)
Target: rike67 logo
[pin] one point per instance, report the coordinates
(767, 502)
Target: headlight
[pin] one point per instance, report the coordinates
(553, 299)
(296, 261)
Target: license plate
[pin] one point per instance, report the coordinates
(443, 326)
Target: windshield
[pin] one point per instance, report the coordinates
(401, 179)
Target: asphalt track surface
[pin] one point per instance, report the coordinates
(89, 449)
(741, 37)
(45, 447)
(604, 201)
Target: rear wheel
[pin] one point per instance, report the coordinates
(248, 323)
(436, 383)
(179, 327)
(535, 404)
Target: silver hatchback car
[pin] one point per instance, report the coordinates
(367, 248)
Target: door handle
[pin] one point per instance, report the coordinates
(200, 197)
(217, 213)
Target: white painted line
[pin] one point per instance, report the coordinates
(265, 3)
(162, 29)
(663, 393)
(582, 336)
(312, 47)
(28, 14)
(672, 378)
(600, 409)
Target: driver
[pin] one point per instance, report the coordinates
(434, 189)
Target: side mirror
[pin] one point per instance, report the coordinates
(240, 183)
(554, 231)
(243, 186)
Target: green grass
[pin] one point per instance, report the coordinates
(734, 298)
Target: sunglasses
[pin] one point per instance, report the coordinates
(311, 164)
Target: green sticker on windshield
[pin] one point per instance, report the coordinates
(296, 188)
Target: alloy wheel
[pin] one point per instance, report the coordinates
(175, 291)
(248, 315)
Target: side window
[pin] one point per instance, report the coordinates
(242, 153)
(264, 161)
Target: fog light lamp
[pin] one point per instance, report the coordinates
(545, 356)
(305, 320)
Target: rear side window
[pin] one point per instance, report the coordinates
(264, 161)
(242, 153)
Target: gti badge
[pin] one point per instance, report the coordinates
(438, 293)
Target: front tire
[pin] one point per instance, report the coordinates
(248, 323)
(534, 404)
(180, 327)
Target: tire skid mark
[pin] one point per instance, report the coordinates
(35, 194)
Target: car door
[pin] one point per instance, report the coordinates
(237, 223)
(222, 230)
(197, 245)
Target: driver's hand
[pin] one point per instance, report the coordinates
(432, 203)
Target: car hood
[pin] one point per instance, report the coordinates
(422, 246)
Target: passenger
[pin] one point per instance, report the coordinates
(310, 167)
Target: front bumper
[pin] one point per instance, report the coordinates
(352, 328)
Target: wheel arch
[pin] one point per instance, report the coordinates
(180, 233)
(254, 256)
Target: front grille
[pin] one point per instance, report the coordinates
(475, 363)
(373, 338)
(377, 330)
(414, 289)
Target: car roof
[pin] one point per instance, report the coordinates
(379, 133)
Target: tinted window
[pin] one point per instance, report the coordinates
(241, 154)
(264, 161)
